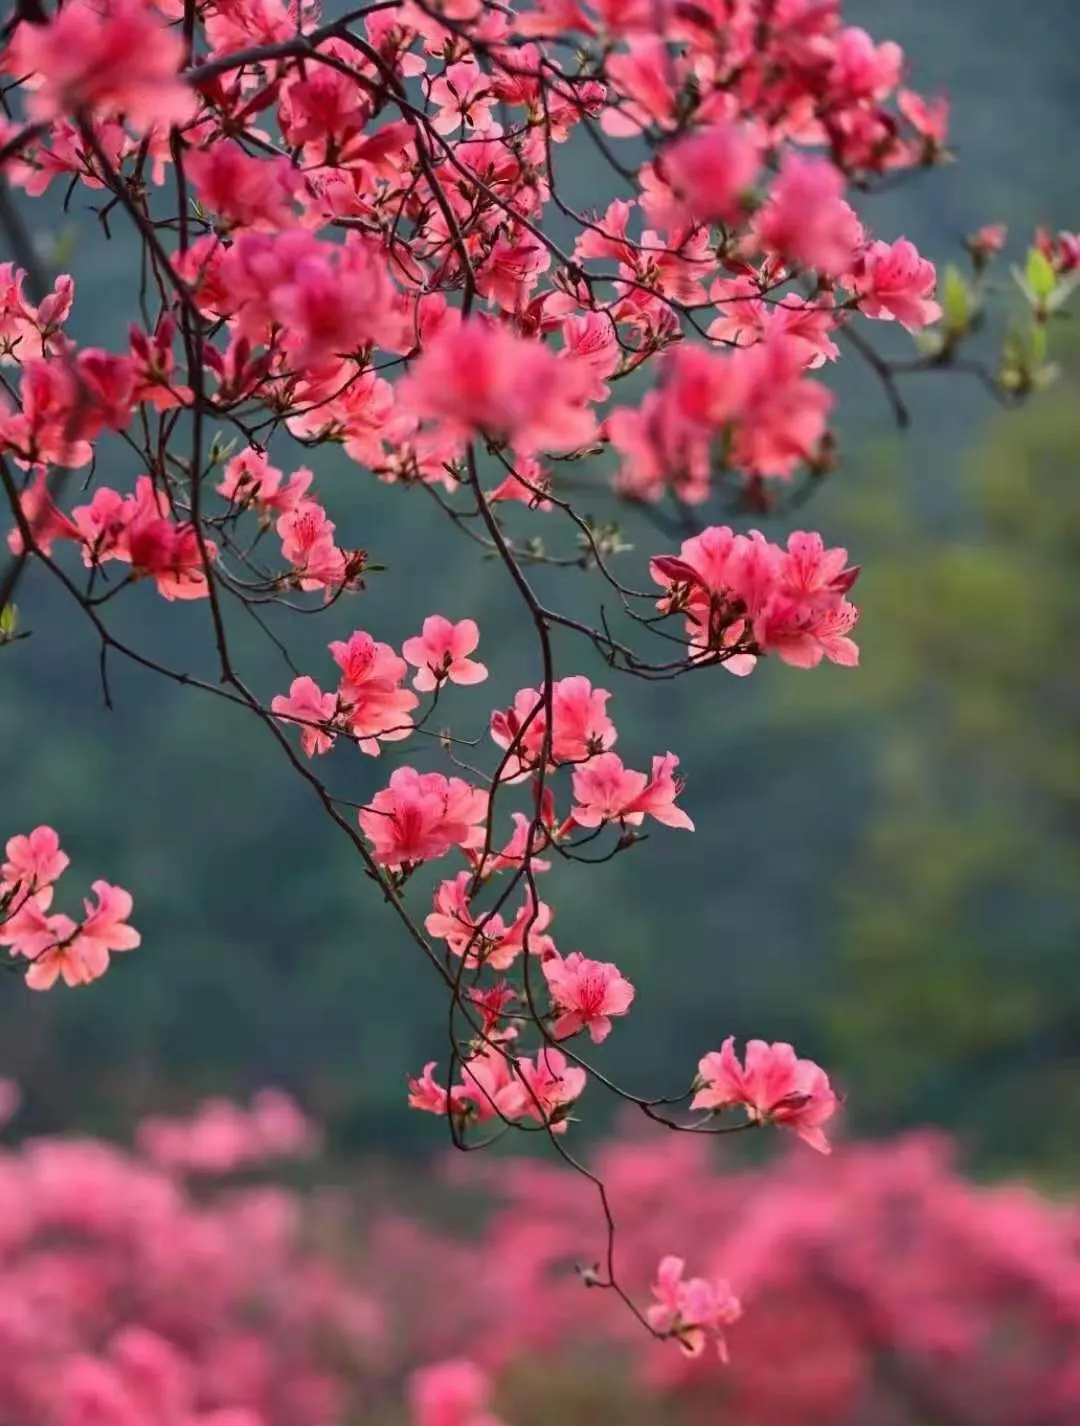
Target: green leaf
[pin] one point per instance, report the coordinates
(63, 247)
(9, 621)
(221, 449)
(956, 304)
(1039, 276)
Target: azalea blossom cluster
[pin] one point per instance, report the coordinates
(347, 227)
(224, 1138)
(451, 1393)
(355, 179)
(883, 1281)
(879, 1285)
(126, 1298)
(745, 592)
(56, 946)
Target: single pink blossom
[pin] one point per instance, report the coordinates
(105, 926)
(313, 709)
(657, 798)
(442, 652)
(427, 1094)
(894, 283)
(585, 994)
(544, 1089)
(33, 861)
(806, 222)
(712, 170)
(692, 1310)
(604, 789)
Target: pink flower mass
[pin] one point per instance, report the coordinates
(103, 59)
(177, 1283)
(351, 234)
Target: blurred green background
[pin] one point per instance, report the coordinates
(885, 867)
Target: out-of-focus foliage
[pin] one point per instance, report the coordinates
(960, 998)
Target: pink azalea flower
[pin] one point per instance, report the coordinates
(657, 798)
(451, 1393)
(806, 222)
(783, 415)
(527, 483)
(530, 924)
(811, 323)
(775, 1087)
(48, 426)
(33, 861)
(307, 542)
(895, 284)
(987, 241)
(168, 553)
(585, 995)
(155, 366)
(427, 1094)
(930, 117)
(544, 1089)
(31, 932)
(421, 816)
(452, 919)
(309, 706)
(863, 70)
(489, 1085)
(492, 1002)
(692, 1310)
(481, 377)
(464, 97)
(336, 302)
(641, 77)
(511, 271)
(442, 652)
(27, 330)
(516, 849)
(246, 191)
(604, 789)
(373, 704)
(592, 340)
(104, 928)
(105, 59)
(249, 479)
(484, 938)
(581, 727)
(808, 570)
(46, 520)
(712, 170)
(61, 949)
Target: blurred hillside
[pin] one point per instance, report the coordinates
(884, 869)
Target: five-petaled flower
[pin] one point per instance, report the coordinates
(774, 1087)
